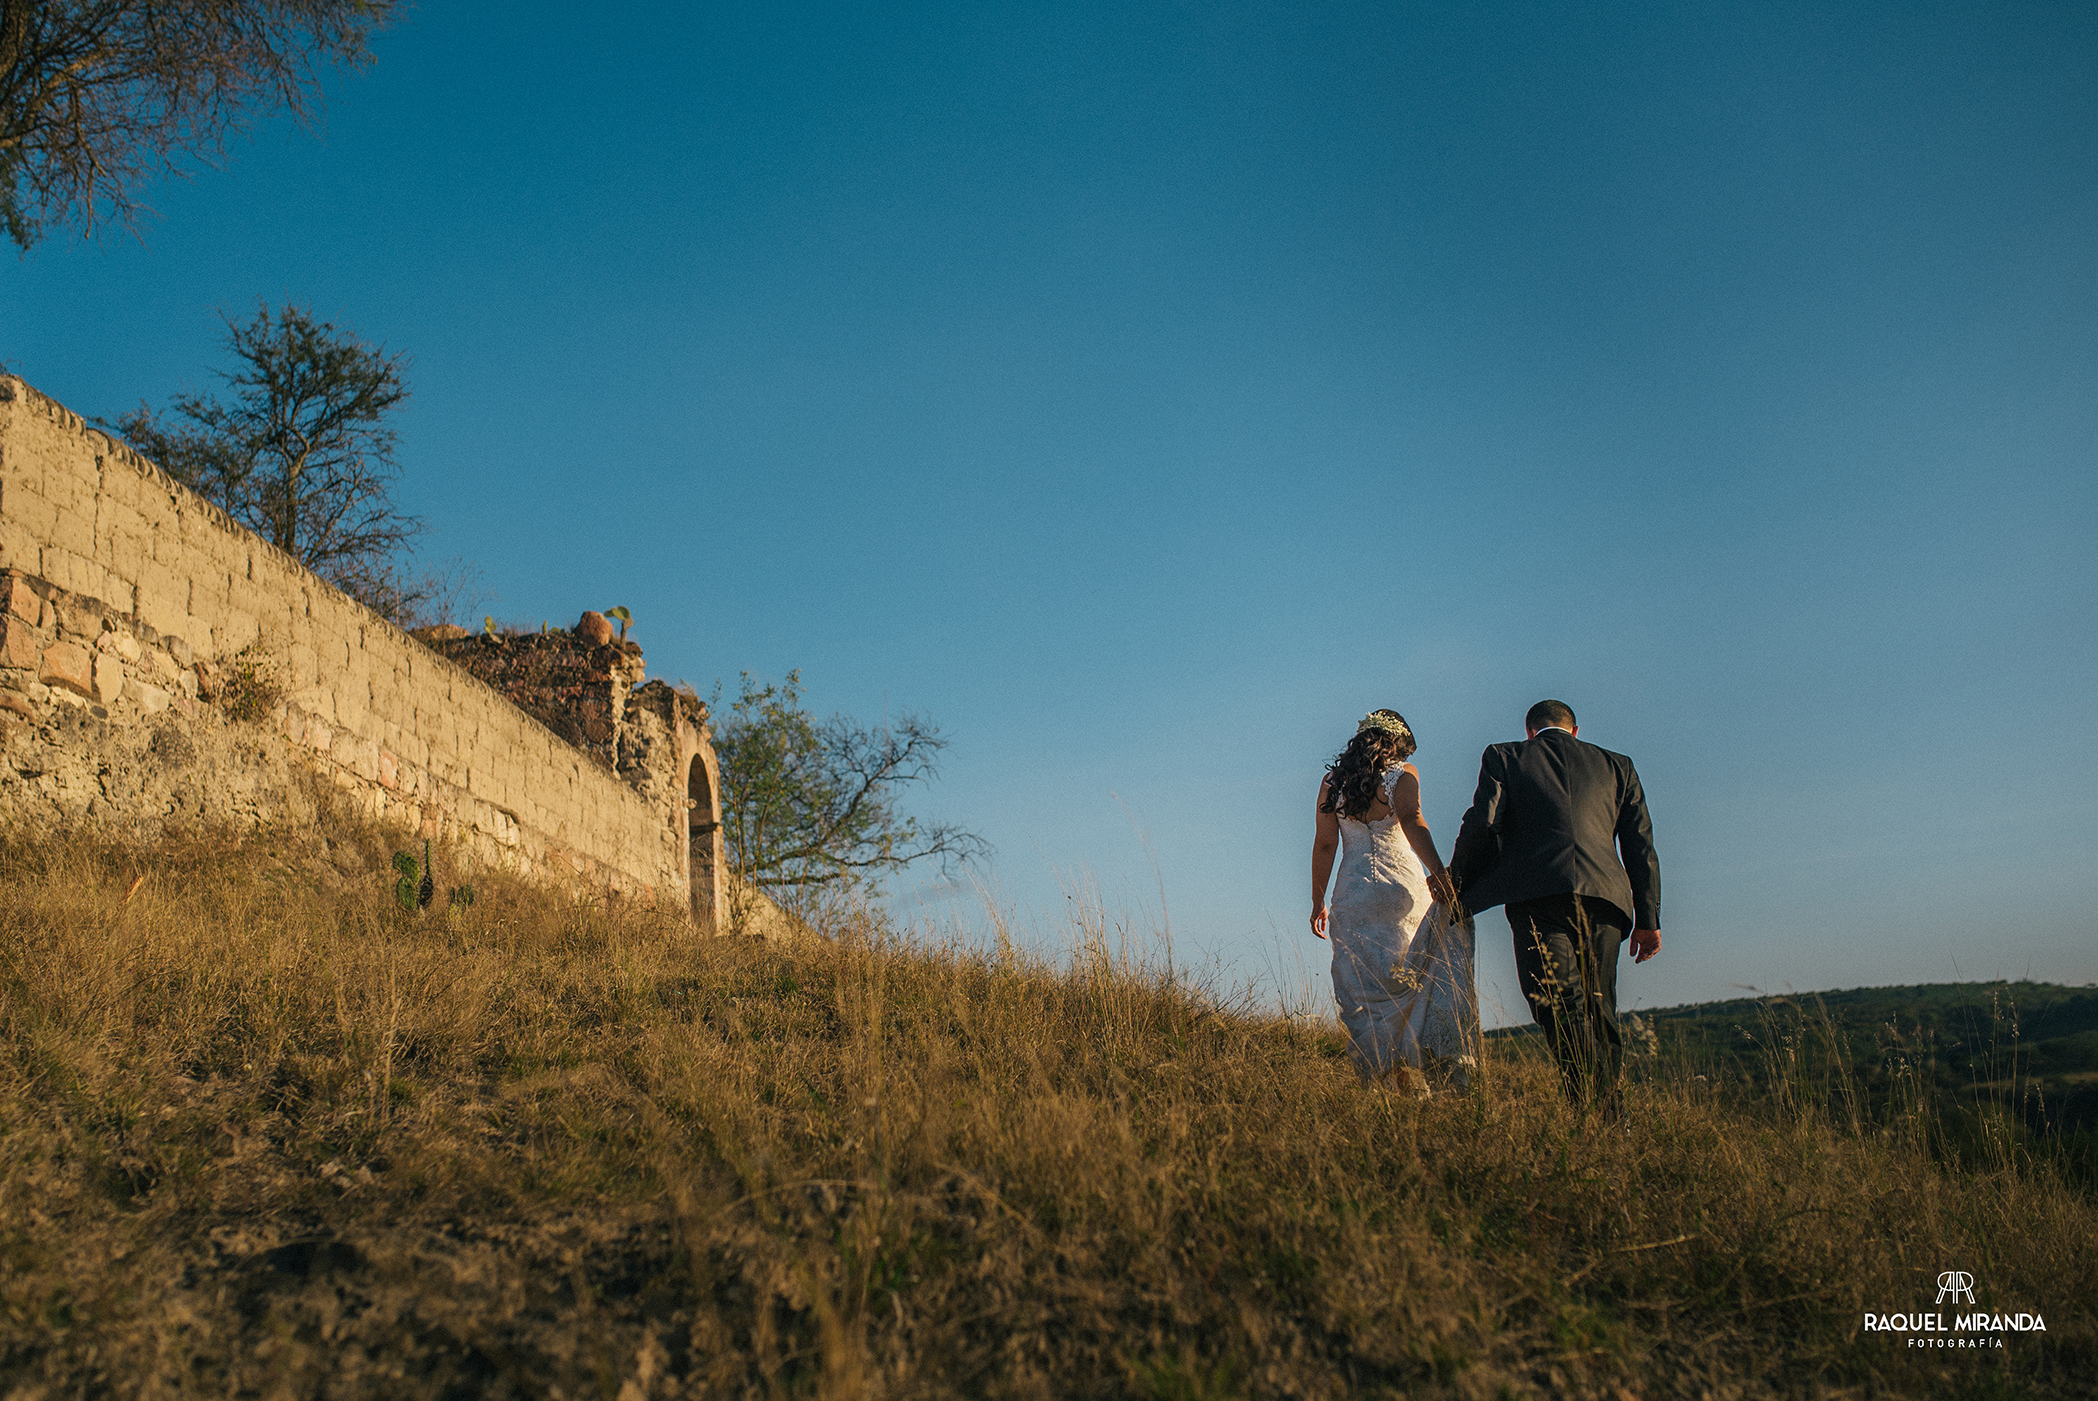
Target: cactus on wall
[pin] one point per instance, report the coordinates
(417, 886)
(404, 889)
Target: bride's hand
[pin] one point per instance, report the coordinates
(1442, 887)
(1318, 922)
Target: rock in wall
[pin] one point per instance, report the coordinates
(159, 662)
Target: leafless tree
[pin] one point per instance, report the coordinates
(98, 96)
(412, 597)
(302, 454)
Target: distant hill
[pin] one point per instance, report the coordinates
(2028, 1049)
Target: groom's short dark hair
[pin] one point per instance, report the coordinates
(1547, 713)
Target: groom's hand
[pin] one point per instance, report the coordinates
(1645, 944)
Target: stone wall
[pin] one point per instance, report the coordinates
(159, 662)
(573, 684)
(590, 690)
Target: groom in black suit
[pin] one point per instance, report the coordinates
(1558, 833)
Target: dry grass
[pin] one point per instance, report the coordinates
(263, 1134)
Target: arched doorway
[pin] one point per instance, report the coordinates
(704, 841)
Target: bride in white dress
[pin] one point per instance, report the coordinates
(1402, 966)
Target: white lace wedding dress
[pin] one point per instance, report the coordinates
(1402, 969)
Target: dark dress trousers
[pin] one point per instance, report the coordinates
(1558, 832)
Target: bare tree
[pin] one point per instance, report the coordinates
(412, 597)
(98, 96)
(302, 454)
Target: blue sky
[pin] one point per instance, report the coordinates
(1147, 390)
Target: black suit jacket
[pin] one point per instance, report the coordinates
(1552, 816)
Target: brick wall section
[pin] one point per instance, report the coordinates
(560, 679)
(123, 596)
(594, 696)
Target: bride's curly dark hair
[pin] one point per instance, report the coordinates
(1355, 773)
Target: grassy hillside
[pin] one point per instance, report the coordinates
(263, 1134)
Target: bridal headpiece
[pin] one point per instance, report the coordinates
(1386, 721)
